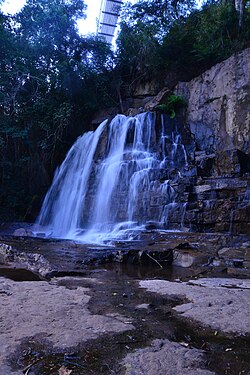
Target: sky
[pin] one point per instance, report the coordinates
(89, 25)
(85, 26)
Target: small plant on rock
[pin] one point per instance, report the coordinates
(173, 103)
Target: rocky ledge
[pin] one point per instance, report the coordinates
(123, 309)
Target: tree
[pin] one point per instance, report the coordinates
(143, 29)
(51, 82)
(160, 38)
(157, 15)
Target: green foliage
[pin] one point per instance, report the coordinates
(184, 43)
(218, 35)
(156, 16)
(143, 28)
(136, 52)
(171, 106)
(51, 83)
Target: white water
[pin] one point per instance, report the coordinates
(110, 183)
(64, 202)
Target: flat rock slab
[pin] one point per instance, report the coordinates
(59, 314)
(107, 324)
(221, 282)
(165, 358)
(220, 304)
(109, 315)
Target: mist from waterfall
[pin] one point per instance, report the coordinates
(114, 180)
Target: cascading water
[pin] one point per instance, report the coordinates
(113, 180)
(63, 205)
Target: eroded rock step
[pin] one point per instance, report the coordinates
(48, 258)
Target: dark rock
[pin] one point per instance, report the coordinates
(205, 164)
(227, 163)
(6, 253)
(185, 245)
(22, 232)
(161, 258)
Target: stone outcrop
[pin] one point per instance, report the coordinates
(218, 117)
(35, 263)
(218, 111)
(214, 192)
(162, 355)
(224, 299)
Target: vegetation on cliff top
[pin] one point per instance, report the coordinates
(52, 80)
(179, 39)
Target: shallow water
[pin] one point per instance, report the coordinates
(18, 274)
(117, 292)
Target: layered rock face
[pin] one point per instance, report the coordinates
(218, 116)
(215, 188)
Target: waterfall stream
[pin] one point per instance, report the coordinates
(114, 180)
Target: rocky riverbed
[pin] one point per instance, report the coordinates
(69, 308)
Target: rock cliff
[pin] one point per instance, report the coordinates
(218, 108)
(213, 191)
(218, 116)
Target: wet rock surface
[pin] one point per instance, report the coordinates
(164, 357)
(96, 314)
(155, 248)
(220, 304)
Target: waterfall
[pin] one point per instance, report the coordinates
(113, 180)
(65, 200)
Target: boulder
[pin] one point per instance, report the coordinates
(22, 232)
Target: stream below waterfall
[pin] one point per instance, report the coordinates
(115, 291)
